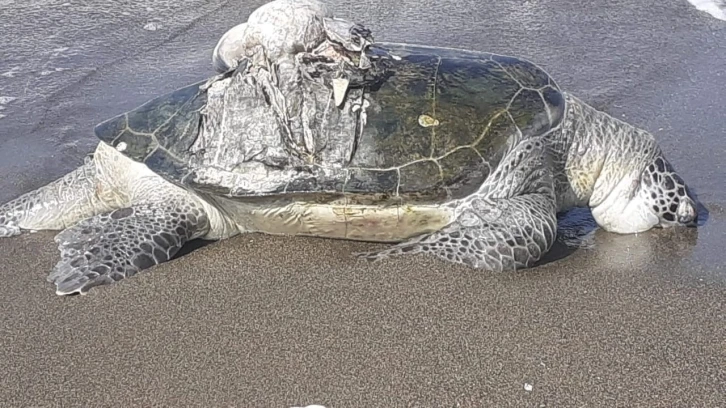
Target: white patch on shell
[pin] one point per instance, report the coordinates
(281, 27)
(121, 146)
(229, 48)
(340, 87)
(427, 121)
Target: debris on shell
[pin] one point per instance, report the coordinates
(427, 121)
(340, 87)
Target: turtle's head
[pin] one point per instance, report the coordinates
(667, 195)
(655, 196)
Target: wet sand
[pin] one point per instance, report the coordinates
(281, 321)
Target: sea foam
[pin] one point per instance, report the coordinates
(716, 8)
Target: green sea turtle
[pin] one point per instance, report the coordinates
(464, 155)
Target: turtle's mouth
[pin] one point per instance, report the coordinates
(686, 213)
(678, 212)
(666, 195)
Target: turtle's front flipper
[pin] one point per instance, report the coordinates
(54, 206)
(508, 224)
(111, 246)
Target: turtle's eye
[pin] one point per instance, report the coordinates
(667, 194)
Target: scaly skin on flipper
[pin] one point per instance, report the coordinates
(508, 224)
(111, 246)
(54, 206)
(118, 218)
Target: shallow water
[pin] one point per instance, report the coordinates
(661, 65)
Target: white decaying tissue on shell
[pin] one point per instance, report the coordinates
(228, 48)
(283, 28)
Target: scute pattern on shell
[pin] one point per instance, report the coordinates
(247, 134)
(479, 100)
(160, 132)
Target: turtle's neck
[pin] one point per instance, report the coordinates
(592, 147)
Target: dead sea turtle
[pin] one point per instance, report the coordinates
(464, 155)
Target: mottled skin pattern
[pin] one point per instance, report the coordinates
(112, 246)
(466, 156)
(117, 217)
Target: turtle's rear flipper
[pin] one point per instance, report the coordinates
(109, 247)
(509, 224)
(54, 206)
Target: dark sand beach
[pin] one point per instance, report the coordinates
(260, 321)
